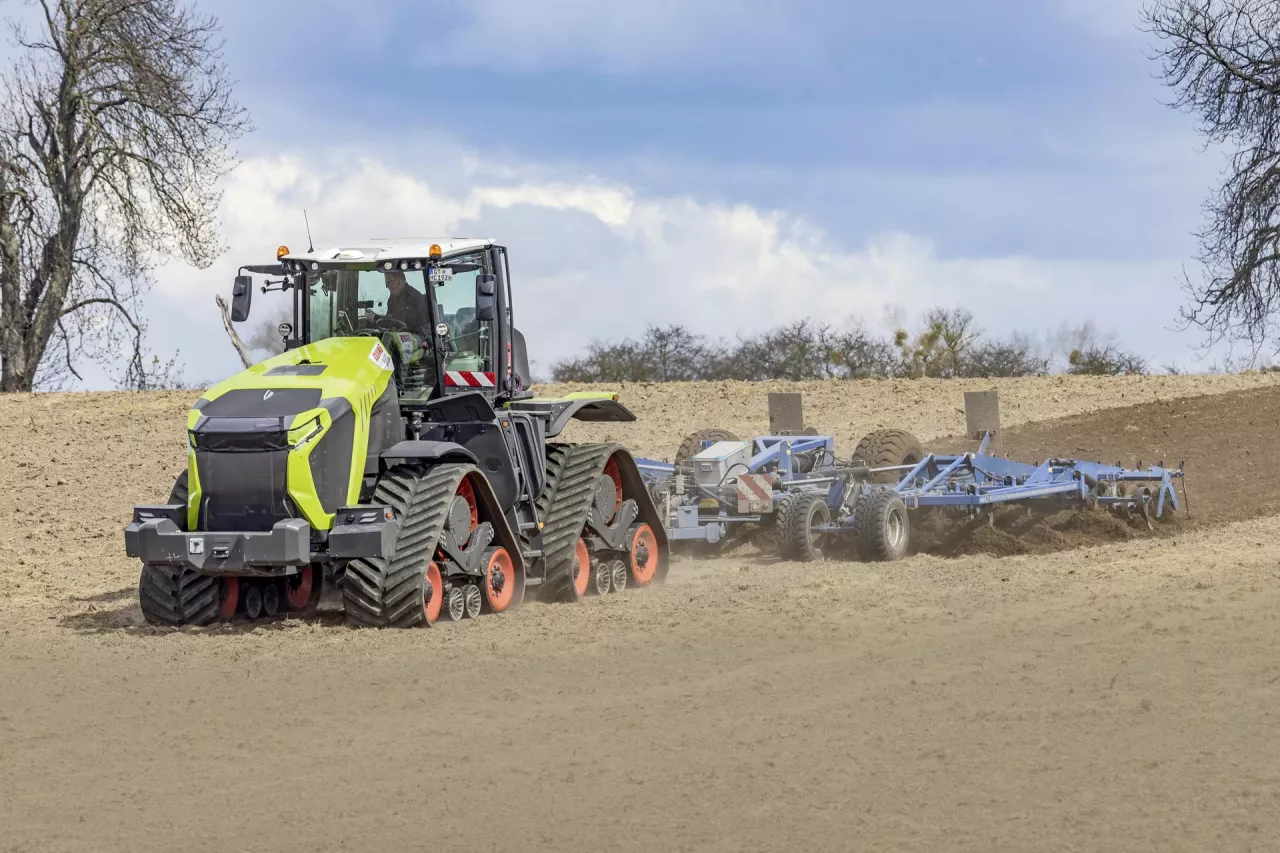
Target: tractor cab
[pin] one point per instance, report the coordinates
(441, 309)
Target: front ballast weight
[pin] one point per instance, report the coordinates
(813, 500)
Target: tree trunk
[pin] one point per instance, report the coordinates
(241, 349)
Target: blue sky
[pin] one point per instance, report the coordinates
(727, 163)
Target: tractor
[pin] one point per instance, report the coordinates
(393, 457)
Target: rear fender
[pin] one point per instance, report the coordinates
(597, 408)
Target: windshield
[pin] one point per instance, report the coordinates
(390, 306)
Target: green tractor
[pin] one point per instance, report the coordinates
(393, 457)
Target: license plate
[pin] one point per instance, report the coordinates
(439, 275)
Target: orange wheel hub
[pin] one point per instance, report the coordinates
(432, 593)
(468, 493)
(500, 580)
(581, 568)
(230, 592)
(297, 588)
(644, 555)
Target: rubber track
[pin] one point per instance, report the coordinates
(174, 595)
(380, 593)
(885, 448)
(563, 508)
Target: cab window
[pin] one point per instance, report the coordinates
(470, 341)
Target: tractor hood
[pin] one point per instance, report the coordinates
(293, 383)
(288, 437)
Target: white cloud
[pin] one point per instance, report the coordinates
(596, 260)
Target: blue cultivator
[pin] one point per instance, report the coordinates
(796, 484)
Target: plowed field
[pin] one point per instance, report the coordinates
(1119, 696)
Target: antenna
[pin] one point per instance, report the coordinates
(311, 246)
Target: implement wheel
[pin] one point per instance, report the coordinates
(799, 541)
(887, 448)
(883, 528)
(692, 444)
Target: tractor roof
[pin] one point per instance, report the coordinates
(379, 249)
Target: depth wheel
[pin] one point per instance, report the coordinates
(800, 541)
(883, 527)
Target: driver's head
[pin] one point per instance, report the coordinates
(395, 281)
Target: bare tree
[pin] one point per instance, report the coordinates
(1222, 59)
(939, 349)
(114, 132)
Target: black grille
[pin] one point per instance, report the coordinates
(243, 490)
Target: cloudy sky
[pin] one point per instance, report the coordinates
(723, 163)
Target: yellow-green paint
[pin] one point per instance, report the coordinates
(355, 372)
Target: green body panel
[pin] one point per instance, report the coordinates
(357, 370)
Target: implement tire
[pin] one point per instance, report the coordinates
(887, 448)
(799, 541)
(883, 527)
(692, 444)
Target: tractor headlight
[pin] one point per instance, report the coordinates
(300, 436)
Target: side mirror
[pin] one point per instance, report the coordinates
(241, 298)
(486, 298)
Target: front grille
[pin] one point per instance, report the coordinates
(244, 491)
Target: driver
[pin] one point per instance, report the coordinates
(404, 304)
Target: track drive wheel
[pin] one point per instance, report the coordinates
(692, 444)
(800, 542)
(883, 527)
(886, 448)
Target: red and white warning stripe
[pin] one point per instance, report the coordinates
(755, 493)
(468, 379)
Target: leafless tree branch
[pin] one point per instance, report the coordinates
(115, 129)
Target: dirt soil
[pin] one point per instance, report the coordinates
(1120, 697)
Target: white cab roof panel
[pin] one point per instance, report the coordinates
(382, 249)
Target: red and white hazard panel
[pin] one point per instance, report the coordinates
(468, 379)
(755, 493)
